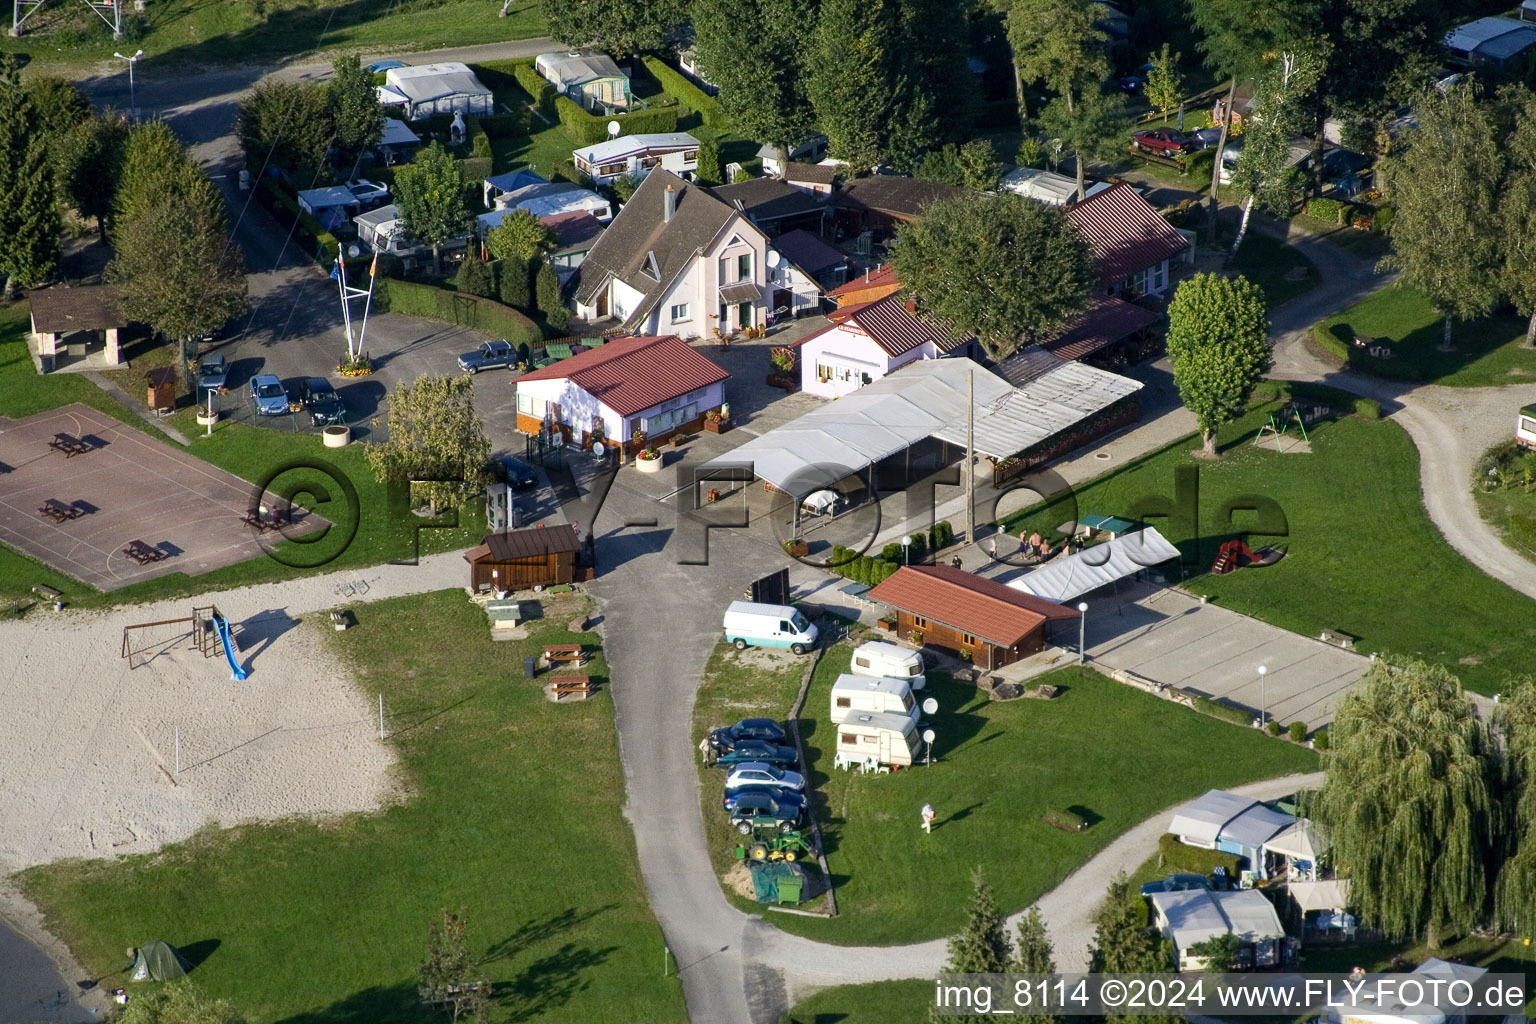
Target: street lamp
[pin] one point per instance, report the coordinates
(1082, 631)
(1263, 704)
(133, 103)
(906, 550)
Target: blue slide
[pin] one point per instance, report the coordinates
(221, 624)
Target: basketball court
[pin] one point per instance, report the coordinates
(80, 504)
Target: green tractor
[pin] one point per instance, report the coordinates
(786, 846)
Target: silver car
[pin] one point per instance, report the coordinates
(759, 773)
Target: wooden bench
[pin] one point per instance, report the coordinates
(59, 512)
(69, 444)
(143, 553)
(564, 654)
(1337, 639)
(571, 684)
(46, 593)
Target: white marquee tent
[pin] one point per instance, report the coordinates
(1067, 578)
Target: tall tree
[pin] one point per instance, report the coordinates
(1514, 720)
(1164, 86)
(1406, 801)
(982, 945)
(1517, 211)
(1033, 955)
(91, 162)
(29, 214)
(933, 51)
(286, 125)
(513, 282)
(1218, 341)
(178, 1003)
(1445, 237)
(152, 161)
(974, 165)
(434, 436)
(521, 234)
(755, 51)
(60, 105)
(708, 170)
(357, 120)
(621, 28)
(430, 195)
(1264, 175)
(1121, 945)
(1001, 267)
(450, 971)
(848, 79)
(546, 286)
(1091, 124)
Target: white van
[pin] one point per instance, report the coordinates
(878, 737)
(768, 625)
(852, 695)
(890, 661)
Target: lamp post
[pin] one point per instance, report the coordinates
(133, 103)
(906, 550)
(1082, 631)
(1263, 704)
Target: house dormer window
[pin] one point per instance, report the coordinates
(650, 268)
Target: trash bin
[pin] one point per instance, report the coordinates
(530, 668)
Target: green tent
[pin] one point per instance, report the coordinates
(158, 961)
(777, 881)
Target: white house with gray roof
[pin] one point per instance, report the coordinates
(638, 155)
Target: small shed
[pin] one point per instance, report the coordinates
(82, 309)
(162, 388)
(519, 559)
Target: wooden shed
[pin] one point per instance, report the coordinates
(519, 559)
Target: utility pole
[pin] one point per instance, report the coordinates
(970, 458)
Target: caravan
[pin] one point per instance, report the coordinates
(878, 737)
(890, 661)
(853, 695)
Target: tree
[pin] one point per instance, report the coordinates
(933, 50)
(629, 27)
(1517, 212)
(1219, 952)
(546, 287)
(1218, 341)
(475, 277)
(513, 286)
(982, 945)
(1000, 267)
(755, 51)
(708, 170)
(450, 971)
(91, 165)
(1033, 955)
(430, 195)
(1445, 236)
(974, 165)
(1406, 801)
(152, 159)
(356, 118)
(848, 79)
(178, 1003)
(435, 436)
(1264, 175)
(520, 234)
(286, 125)
(1164, 86)
(1121, 944)
(1092, 125)
(60, 105)
(1514, 721)
(29, 214)
(1059, 43)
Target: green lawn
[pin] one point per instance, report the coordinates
(883, 1002)
(1488, 351)
(1278, 269)
(69, 38)
(1364, 557)
(514, 815)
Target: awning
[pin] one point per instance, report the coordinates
(1255, 826)
(1330, 895)
(741, 291)
(1296, 842)
(1202, 817)
(1065, 579)
(396, 132)
(391, 98)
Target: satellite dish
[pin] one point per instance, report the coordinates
(354, 251)
(614, 128)
(928, 735)
(929, 707)
(774, 259)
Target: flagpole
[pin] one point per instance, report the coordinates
(346, 304)
(367, 303)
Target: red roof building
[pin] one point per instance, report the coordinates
(1132, 244)
(657, 385)
(869, 286)
(960, 612)
(867, 340)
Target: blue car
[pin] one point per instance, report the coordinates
(489, 355)
(268, 395)
(380, 66)
(519, 474)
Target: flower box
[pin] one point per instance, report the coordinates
(716, 426)
(797, 548)
(787, 381)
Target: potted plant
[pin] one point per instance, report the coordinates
(888, 623)
(678, 439)
(783, 375)
(916, 636)
(648, 460)
(715, 422)
(797, 548)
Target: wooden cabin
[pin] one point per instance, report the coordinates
(520, 559)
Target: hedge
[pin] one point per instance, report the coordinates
(1225, 712)
(541, 89)
(565, 170)
(475, 168)
(1328, 338)
(1198, 164)
(309, 229)
(475, 134)
(676, 84)
(1330, 211)
(1067, 821)
(588, 129)
(505, 126)
(1282, 390)
(484, 315)
(1522, 530)
(1178, 857)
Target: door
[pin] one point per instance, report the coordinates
(602, 304)
(744, 314)
(885, 746)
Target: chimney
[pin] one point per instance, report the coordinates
(671, 204)
(866, 275)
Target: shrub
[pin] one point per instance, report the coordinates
(708, 171)
(588, 130)
(390, 265)
(863, 568)
(1330, 211)
(886, 570)
(540, 89)
(1366, 408)
(624, 186)
(1298, 731)
(411, 299)
(1198, 164)
(546, 292)
(1177, 857)
(891, 552)
(1327, 337)
(475, 168)
(514, 285)
(1067, 821)
(1272, 727)
(479, 141)
(1227, 713)
(918, 549)
(474, 277)
(690, 96)
(1382, 217)
(565, 170)
(1320, 739)
(946, 533)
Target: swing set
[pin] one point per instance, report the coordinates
(1280, 422)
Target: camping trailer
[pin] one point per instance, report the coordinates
(889, 660)
(1525, 427)
(852, 695)
(878, 736)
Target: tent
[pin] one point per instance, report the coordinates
(158, 961)
(1332, 894)
(1065, 579)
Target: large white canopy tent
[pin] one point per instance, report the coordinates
(1065, 579)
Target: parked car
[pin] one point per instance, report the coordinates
(759, 773)
(765, 729)
(1161, 141)
(787, 797)
(369, 193)
(268, 394)
(1205, 138)
(212, 373)
(488, 356)
(760, 810)
(378, 67)
(1176, 883)
(750, 751)
(324, 405)
(518, 473)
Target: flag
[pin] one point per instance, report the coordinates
(336, 270)
(374, 266)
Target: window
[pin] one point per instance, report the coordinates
(530, 405)
(679, 312)
(690, 156)
(664, 421)
(848, 739)
(744, 267)
(1136, 284)
(1159, 279)
(919, 622)
(618, 168)
(907, 702)
(844, 702)
(967, 640)
(826, 372)
(647, 162)
(784, 626)
(861, 662)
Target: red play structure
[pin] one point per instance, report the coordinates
(1234, 554)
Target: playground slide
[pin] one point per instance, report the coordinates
(221, 624)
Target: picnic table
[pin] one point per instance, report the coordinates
(143, 553)
(264, 519)
(59, 512)
(564, 654)
(569, 685)
(69, 444)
